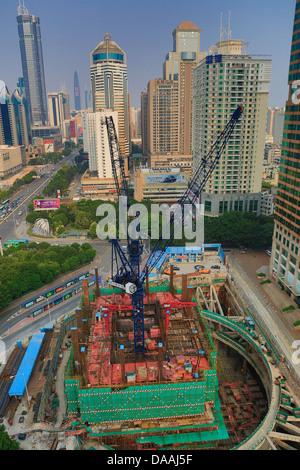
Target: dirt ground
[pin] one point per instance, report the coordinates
(254, 262)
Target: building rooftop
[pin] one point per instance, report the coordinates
(187, 25)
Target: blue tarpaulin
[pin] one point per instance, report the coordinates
(26, 366)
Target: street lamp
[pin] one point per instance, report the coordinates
(22, 373)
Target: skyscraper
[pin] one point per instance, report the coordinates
(95, 141)
(226, 78)
(179, 67)
(275, 121)
(77, 97)
(176, 87)
(59, 108)
(285, 258)
(109, 87)
(14, 120)
(32, 65)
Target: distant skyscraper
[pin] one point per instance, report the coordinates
(88, 99)
(14, 119)
(285, 258)
(59, 108)
(229, 77)
(275, 122)
(32, 65)
(77, 97)
(109, 86)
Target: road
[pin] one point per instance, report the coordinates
(9, 225)
(269, 321)
(15, 325)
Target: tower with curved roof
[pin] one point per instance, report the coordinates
(109, 86)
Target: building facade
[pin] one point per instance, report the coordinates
(95, 141)
(179, 66)
(110, 88)
(166, 108)
(32, 65)
(77, 96)
(160, 185)
(275, 122)
(162, 117)
(223, 81)
(59, 108)
(11, 160)
(15, 126)
(285, 258)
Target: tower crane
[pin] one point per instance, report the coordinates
(126, 271)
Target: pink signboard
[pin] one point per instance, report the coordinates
(46, 204)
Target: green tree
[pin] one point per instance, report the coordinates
(6, 443)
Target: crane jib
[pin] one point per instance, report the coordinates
(129, 271)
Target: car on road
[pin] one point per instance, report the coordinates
(268, 252)
(20, 213)
(215, 267)
(170, 179)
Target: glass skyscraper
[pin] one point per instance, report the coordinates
(32, 65)
(285, 258)
(77, 97)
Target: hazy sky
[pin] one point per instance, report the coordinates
(71, 29)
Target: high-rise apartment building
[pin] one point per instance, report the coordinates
(95, 141)
(162, 117)
(33, 65)
(77, 96)
(224, 80)
(179, 66)
(285, 258)
(109, 87)
(176, 87)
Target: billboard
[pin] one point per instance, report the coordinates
(72, 129)
(49, 146)
(166, 178)
(46, 204)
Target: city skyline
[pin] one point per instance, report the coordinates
(67, 40)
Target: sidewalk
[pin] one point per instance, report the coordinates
(255, 262)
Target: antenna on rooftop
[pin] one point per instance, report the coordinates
(22, 10)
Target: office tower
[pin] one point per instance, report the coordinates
(109, 87)
(224, 80)
(22, 118)
(88, 99)
(77, 97)
(135, 127)
(144, 122)
(285, 258)
(59, 108)
(179, 67)
(275, 122)
(14, 119)
(8, 125)
(32, 65)
(95, 141)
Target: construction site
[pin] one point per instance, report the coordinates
(168, 357)
(190, 391)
